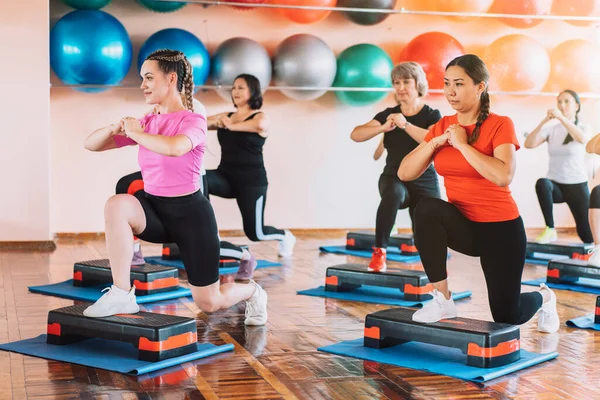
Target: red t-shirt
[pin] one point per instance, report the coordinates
(477, 198)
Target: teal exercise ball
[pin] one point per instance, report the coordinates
(162, 6)
(363, 65)
(87, 4)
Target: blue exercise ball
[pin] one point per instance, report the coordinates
(81, 55)
(184, 41)
(162, 6)
(87, 4)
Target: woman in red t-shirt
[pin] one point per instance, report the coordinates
(474, 150)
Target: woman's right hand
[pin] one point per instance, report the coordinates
(388, 126)
(439, 141)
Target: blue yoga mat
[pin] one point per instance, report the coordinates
(92, 293)
(585, 322)
(393, 254)
(222, 271)
(374, 294)
(106, 354)
(584, 285)
(543, 258)
(436, 359)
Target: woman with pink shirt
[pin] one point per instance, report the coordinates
(171, 208)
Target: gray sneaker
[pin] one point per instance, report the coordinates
(256, 307)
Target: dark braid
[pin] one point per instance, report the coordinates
(175, 61)
(476, 69)
(484, 112)
(569, 138)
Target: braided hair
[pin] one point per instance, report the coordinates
(175, 61)
(476, 69)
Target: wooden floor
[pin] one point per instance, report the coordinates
(280, 360)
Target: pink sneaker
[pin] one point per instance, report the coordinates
(246, 270)
(138, 258)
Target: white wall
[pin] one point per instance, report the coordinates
(25, 103)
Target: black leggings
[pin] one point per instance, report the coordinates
(595, 197)
(577, 197)
(133, 182)
(189, 222)
(397, 195)
(251, 201)
(501, 247)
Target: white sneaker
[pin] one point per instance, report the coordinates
(115, 301)
(548, 321)
(286, 246)
(256, 307)
(548, 236)
(594, 259)
(437, 309)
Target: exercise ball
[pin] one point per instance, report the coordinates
(184, 41)
(517, 63)
(366, 18)
(245, 8)
(87, 4)
(577, 8)
(522, 7)
(575, 66)
(363, 65)
(162, 6)
(465, 6)
(304, 60)
(304, 16)
(82, 55)
(237, 56)
(433, 50)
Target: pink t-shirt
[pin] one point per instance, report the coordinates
(171, 176)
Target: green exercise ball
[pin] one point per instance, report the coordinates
(363, 65)
(162, 6)
(87, 4)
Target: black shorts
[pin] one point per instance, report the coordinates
(188, 221)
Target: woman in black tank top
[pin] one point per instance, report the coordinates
(241, 174)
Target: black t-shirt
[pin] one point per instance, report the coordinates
(398, 142)
(242, 155)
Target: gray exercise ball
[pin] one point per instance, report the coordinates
(306, 61)
(366, 18)
(237, 56)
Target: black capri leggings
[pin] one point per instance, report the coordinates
(501, 247)
(577, 197)
(134, 182)
(397, 195)
(251, 201)
(189, 222)
(595, 197)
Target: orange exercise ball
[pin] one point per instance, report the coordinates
(575, 65)
(577, 8)
(466, 6)
(433, 50)
(517, 63)
(302, 16)
(522, 7)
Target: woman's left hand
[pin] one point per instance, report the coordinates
(457, 135)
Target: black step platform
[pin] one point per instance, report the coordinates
(413, 284)
(147, 278)
(366, 241)
(170, 251)
(597, 311)
(156, 336)
(486, 344)
(569, 271)
(561, 248)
